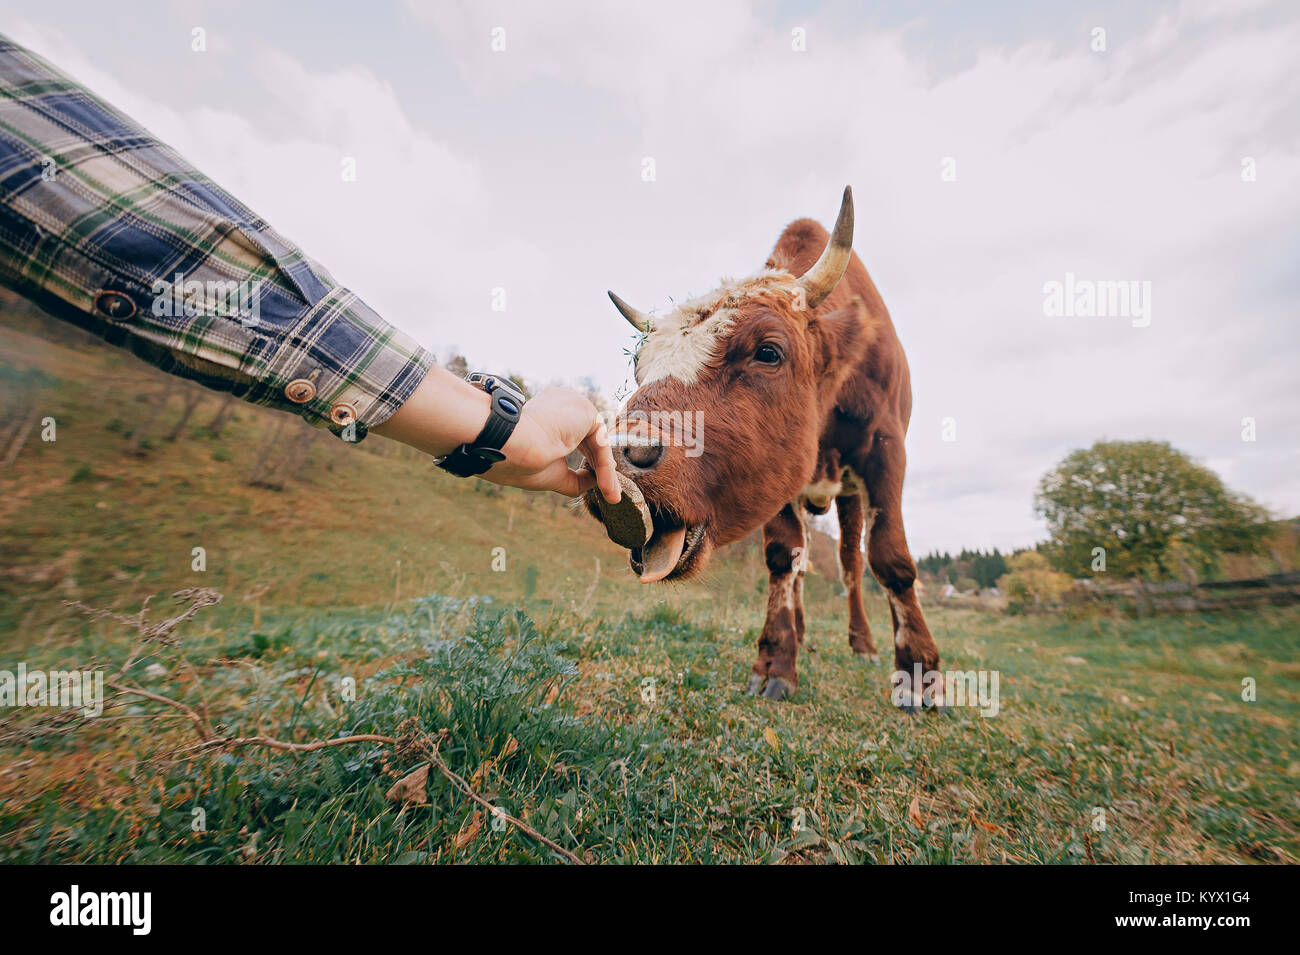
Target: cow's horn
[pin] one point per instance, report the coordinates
(819, 280)
(638, 320)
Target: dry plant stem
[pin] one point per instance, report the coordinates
(203, 696)
(209, 738)
(270, 743)
(205, 731)
(434, 759)
(519, 824)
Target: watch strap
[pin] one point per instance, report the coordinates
(501, 421)
(477, 456)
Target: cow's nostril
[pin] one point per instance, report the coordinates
(643, 455)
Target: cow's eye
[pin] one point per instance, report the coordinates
(768, 354)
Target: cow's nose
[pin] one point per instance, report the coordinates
(643, 455)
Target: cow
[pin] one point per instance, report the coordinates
(805, 396)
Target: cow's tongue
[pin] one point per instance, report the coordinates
(661, 554)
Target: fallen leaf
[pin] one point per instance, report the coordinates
(410, 789)
(469, 832)
(992, 827)
(769, 737)
(914, 813)
(479, 775)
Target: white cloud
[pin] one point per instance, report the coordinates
(1123, 165)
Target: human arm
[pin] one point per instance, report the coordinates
(108, 228)
(445, 411)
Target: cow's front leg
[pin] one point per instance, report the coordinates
(848, 508)
(916, 657)
(778, 645)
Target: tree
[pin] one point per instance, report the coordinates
(282, 455)
(984, 569)
(457, 365)
(1149, 506)
(225, 412)
(1031, 580)
(192, 398)
(987, 568)
(156, 405)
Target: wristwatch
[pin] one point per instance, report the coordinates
(484, 451)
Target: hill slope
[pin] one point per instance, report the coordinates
(83, 518)
(614, 724)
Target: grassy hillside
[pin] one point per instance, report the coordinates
(546, 710)
(81, 518)
(1139, 720)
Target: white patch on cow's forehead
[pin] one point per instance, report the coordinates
(683, 342)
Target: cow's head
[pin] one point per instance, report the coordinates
(734, 392)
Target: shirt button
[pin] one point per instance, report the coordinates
(300, 391)
(114, 306)
(343, 414)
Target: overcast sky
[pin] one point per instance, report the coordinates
(523, 169)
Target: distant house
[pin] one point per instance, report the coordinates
(949, 591)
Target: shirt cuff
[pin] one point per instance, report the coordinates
(343, 367)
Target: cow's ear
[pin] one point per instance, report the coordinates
(843, 336)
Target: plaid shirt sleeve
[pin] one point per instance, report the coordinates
(106, 227)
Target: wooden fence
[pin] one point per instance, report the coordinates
(1184, 596)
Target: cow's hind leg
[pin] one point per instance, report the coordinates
(917, 679)
(778, 645)
(848, 508)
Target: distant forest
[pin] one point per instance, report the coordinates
(970, 565)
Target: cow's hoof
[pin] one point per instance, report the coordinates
(778, 688)
(872, 658)
(755, 684)
(911, 709)
(944, 711)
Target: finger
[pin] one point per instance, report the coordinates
(557, 477)
(586, 480)
(568, 482)
(595, 446)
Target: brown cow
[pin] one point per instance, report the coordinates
(806, 396)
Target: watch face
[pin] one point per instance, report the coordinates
(493, 383)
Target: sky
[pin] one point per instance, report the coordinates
(993, 149)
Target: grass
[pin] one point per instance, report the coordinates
(535, 681)
(552, 723)
(354, 526)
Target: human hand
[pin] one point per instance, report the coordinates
(445, 411)
(555, 422)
